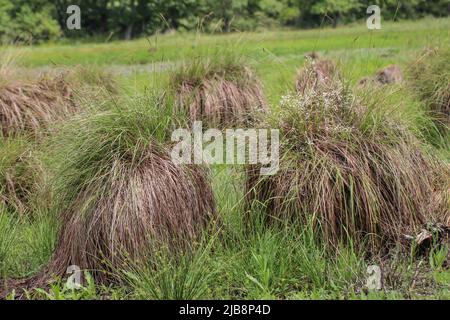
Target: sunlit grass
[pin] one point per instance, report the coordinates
(284, 262)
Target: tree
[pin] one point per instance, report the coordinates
(46, 19)
(335, 9)
(25, 21)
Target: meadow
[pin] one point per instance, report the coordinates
(246, 258)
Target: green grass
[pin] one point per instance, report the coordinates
(26, 243)
(284, 44)
(283, 262)
(266, 263)
(275, 53)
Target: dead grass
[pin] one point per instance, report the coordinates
(33, 106)
(132, 209)
(391, 74)
(316, 73)
(220, 93)
(30, 103)
(357, 172)
(119, 193)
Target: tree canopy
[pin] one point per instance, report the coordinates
(42, 20)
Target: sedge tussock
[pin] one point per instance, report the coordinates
(359, 174)
(119, 193)
(221, 91)
(429, 79)
(316, 73)
(33, 106)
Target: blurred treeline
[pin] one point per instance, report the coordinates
(43, 20)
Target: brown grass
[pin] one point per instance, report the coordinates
(349, 168)
(133, 209)
(33, 106)
(121, 220)
(392, 74)
(117, 192)
(316, 73)
(221, 101)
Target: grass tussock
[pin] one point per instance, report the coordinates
(397, 103)
(352, 168)
(316, 73)
(429, 78)
(118, 191)
(32, 106)
(220, 90)
(92, 79)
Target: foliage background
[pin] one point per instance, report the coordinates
(43, 20)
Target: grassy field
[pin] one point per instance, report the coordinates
(275, 54)
(287, 262)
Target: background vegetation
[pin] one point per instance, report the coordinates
(286, 262)
(43, 20)
(248, 259)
